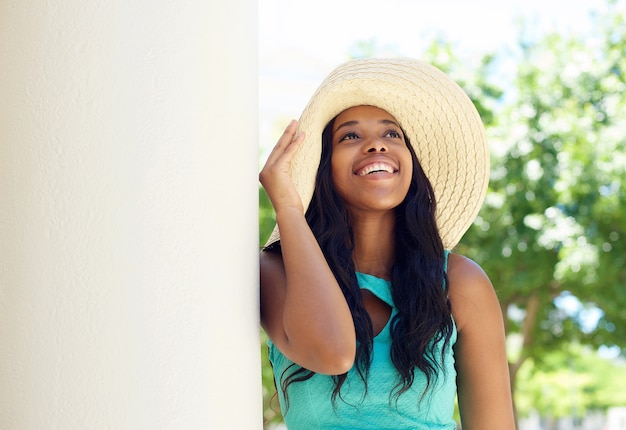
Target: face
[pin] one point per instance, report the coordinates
(371, 164)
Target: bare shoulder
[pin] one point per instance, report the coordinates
(470, 290)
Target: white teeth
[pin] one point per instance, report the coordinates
(378, 167)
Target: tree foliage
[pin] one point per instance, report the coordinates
(555, 215)
(553, 226)
(571, 382)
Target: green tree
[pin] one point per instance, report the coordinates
(555, 214)
(267, 218)
(571, 382)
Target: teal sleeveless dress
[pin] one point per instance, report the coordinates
(311, 408)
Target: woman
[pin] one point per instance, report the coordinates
(372, 322)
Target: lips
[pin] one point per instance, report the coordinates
(376, 168)
(376, 164)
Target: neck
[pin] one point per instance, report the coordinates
(374, 244)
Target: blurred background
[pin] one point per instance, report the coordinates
(548, 78)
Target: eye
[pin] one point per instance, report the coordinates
(393, 134)
(349, 136)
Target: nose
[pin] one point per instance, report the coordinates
(376, 145)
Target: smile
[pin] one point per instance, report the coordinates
(376, 168)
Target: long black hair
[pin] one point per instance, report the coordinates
(418, 278)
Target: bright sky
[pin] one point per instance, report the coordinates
(327, 28)
(300, 42)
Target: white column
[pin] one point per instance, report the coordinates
(128, 215)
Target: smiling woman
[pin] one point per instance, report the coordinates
(371, 164)
(372, 322)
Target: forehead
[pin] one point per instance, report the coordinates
(363, 112)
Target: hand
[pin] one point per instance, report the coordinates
(275, 175)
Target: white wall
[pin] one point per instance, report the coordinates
(128, 215)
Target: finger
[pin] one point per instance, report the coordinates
(295, 143)
(284, 142)
(286, 153)
(288, 135)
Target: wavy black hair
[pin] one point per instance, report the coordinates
(418, 278)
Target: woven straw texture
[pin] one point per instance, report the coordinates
(437, 116)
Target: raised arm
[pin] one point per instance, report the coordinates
(303, 309)
(483, 375)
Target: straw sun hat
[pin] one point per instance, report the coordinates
(437, 116)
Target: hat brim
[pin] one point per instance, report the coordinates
(437, 116)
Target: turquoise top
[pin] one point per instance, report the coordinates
(310, 405)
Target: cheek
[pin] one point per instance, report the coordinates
(409, 173)
(337, 168)
(340, 177)
(407, 183)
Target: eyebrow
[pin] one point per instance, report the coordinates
(351, 123)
